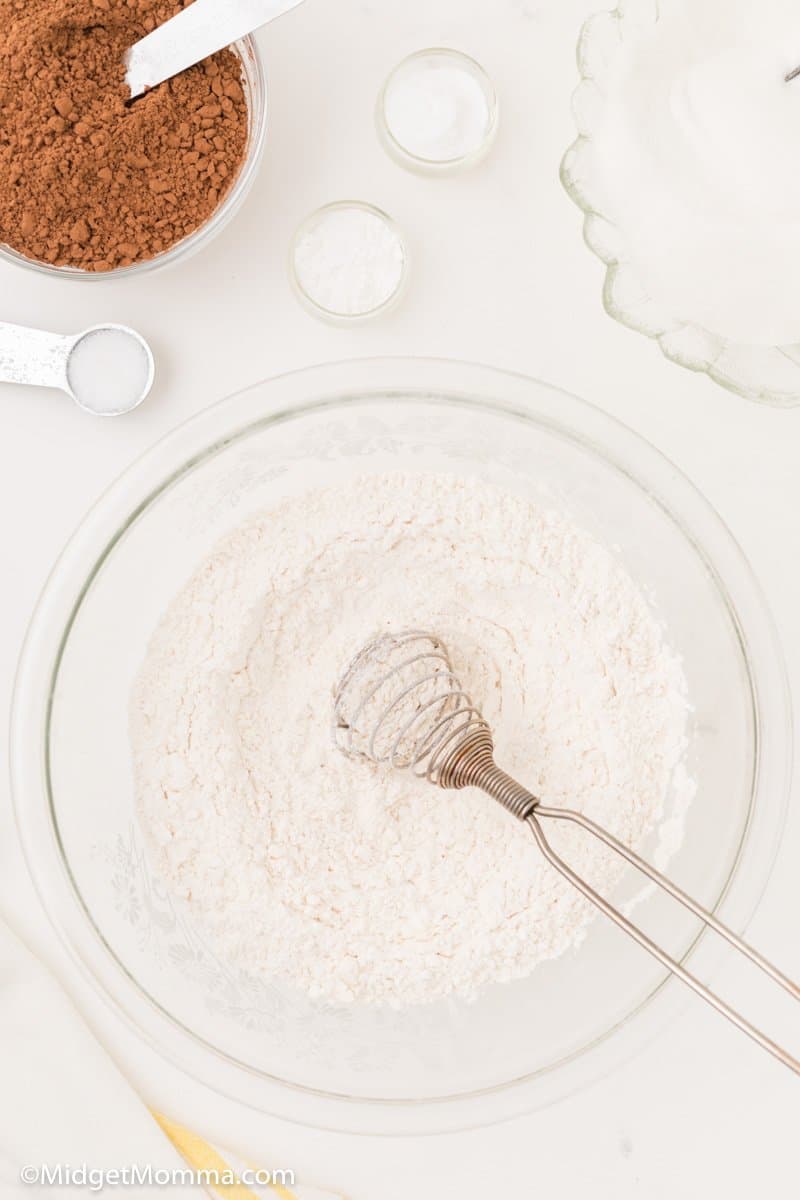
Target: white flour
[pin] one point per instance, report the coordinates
(350, 882)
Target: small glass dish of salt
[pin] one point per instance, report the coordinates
(437, 112)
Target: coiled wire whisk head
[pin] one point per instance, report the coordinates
(401, 704)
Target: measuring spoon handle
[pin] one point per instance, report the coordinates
(33, 356)
(194, 34)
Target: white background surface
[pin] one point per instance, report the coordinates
(500, 275)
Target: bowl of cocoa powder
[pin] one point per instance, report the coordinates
(93, 184)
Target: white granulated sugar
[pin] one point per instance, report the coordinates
(349, 881)
(349, 260)
(437, 110)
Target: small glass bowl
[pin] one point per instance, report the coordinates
(319, 310)
(255, 90)
(427, 166)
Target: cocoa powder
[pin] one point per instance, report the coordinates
(88, 179)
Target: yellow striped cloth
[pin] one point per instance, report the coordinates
(202, 1156)
(63, 1101)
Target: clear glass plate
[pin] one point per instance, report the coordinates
(769, 373)
(451, 1064)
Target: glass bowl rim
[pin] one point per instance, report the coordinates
(253, 68)
(291, 396)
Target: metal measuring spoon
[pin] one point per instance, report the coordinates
(108, 370)
(194, 34)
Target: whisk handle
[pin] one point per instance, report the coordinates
(470, 763)
(708, 918)
(652, 947)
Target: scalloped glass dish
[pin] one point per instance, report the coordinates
(451, 1064)
(755, 369)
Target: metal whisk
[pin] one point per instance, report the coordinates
(399, 703)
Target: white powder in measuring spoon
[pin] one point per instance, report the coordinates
(109, 371)
(353, 882)
(349, 260)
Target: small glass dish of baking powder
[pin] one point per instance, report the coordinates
(348, 262)
(437, 112)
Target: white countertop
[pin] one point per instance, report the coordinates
(500, 275)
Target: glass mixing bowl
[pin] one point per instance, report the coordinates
(255, 89)
(451, 1064)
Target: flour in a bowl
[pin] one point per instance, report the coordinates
(351, 882)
